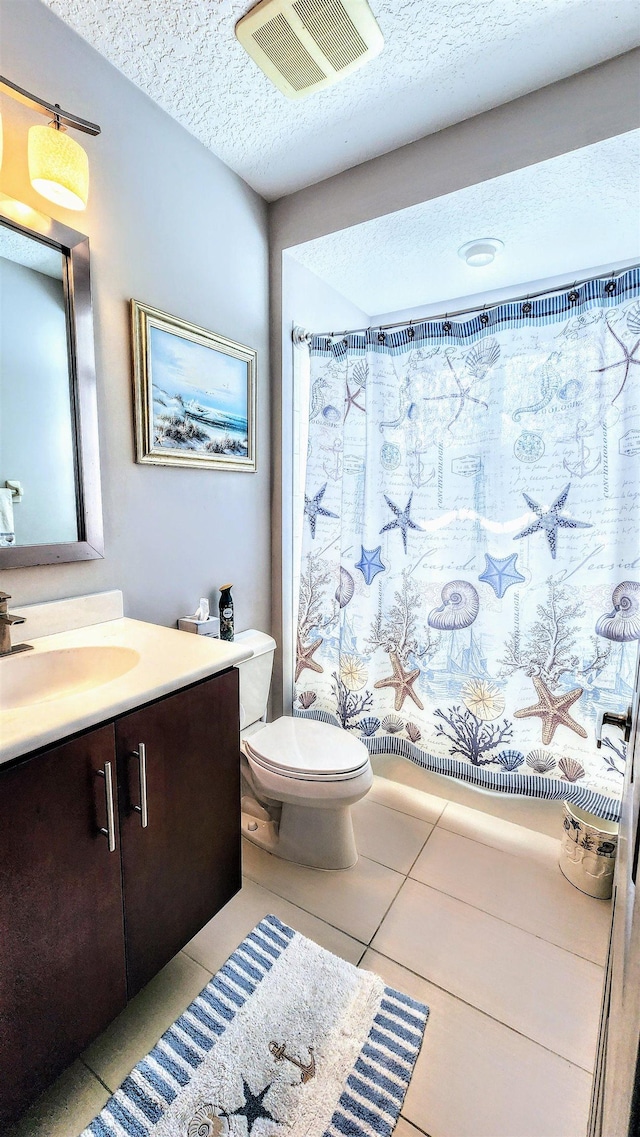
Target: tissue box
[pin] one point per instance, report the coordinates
(210, 627)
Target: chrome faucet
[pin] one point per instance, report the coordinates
(6, 620)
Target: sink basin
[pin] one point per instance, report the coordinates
(44, 676)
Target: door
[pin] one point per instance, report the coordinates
(179, 797)
(616, 1089)
(62, 973)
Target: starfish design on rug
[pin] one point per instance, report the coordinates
(553, 710)
(402, 682)
(626, 361)
(370, 564)
(350, 401)
(402, 519)
(314, 509)
(304, 657)
(550, 520)
(462, 395)
(501, 573)
(252, 1108)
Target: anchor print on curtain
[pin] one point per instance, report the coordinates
(470, 577)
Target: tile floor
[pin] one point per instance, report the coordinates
(457, 900)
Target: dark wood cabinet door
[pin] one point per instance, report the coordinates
(62, 965)
(181, 868)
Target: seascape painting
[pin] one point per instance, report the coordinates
(195, 394)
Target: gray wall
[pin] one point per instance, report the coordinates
(311, 302)
(170, 225)
(586, 108)
(36, 440)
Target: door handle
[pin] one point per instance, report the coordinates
(143, 808)
(110, 831)
(622, 722)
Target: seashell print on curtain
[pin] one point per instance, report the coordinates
(470, 577)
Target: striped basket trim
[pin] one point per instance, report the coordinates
(371, 1101)
(527, 785)
(549, 309)
(156, 1081)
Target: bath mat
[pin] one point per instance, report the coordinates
(285, 1039)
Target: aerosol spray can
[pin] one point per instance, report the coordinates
(225, 607)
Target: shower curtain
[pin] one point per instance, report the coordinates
(470, 576)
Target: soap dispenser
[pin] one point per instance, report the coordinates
(225, 607)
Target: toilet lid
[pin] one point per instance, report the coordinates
(307, 747)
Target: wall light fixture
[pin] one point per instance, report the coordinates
(58, 165)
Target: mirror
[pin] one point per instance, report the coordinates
(50, 506)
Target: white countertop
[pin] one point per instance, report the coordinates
(169, 660)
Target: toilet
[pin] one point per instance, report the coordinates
(300, 776)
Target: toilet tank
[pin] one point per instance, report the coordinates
(255, 676)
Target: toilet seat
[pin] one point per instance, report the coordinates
(307, 750)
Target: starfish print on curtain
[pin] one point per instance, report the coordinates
(313, 509)
(402, 683)
(553, 710)
(402, 519)
(550, 520)
(501, 573)
(351, 400)
(304, 657)
(627, 361)
(463, 396)
(370, 563)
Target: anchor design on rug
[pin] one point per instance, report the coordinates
(308, 1070)
(581, 467)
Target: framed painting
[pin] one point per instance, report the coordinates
(194, 394)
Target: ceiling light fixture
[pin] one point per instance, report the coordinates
(481, 252)
(58, 165)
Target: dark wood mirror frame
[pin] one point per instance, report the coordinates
(74, 248)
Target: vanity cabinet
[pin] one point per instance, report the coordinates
(62, 962)
(184, 865)
(83, 928)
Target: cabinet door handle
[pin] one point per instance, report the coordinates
(110, 831)
(143, 808)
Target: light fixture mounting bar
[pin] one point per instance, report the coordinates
(41, 105)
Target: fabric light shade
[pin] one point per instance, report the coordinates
(58, 167)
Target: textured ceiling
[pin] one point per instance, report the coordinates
(25, 251)
(558, 218)
(443, 61)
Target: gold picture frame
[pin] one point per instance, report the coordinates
(194, 394)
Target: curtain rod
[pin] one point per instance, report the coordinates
(299, 335)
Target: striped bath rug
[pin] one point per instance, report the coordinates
(286, 1039)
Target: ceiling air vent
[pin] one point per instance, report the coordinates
(305, 45)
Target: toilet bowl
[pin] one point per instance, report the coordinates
(300, 776)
